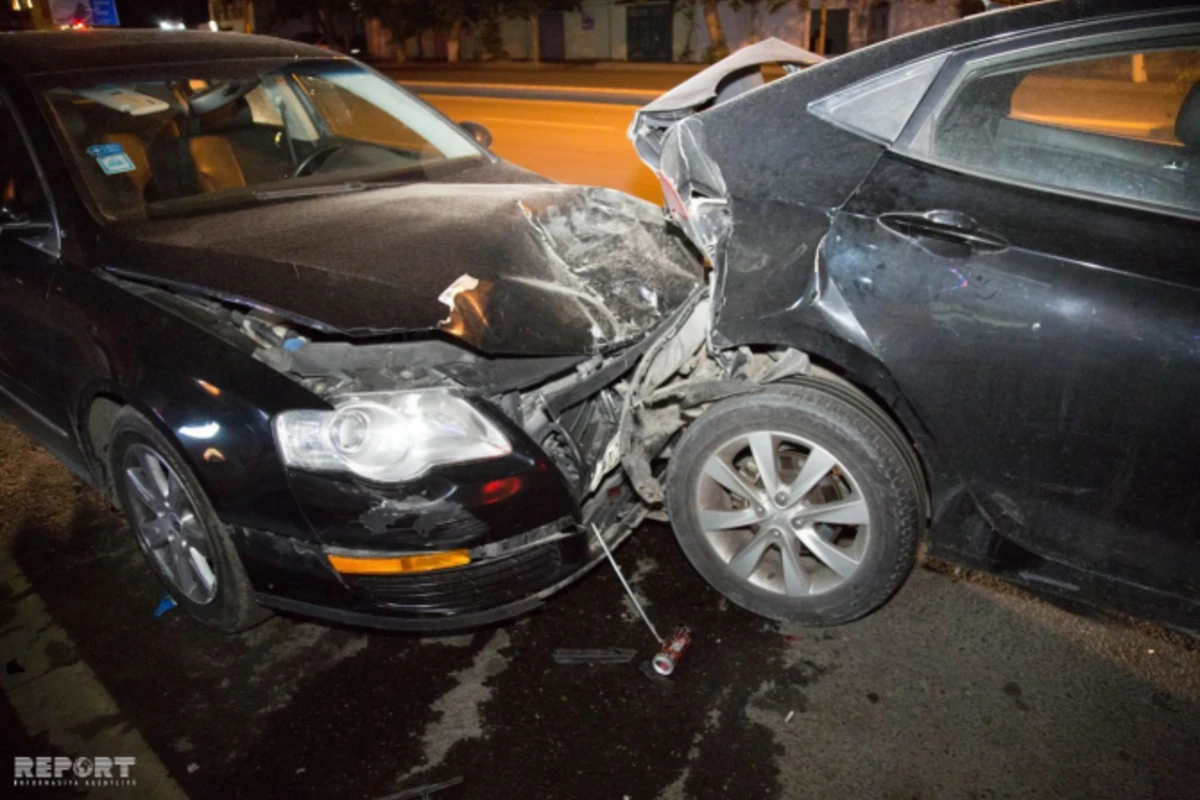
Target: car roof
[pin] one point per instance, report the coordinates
(36, 52)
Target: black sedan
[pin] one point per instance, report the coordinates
(327, 352)
(977, 247)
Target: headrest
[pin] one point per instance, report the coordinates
(229, 117)
(1187, 124)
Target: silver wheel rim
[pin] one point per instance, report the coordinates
(782, 513)
(167, 525)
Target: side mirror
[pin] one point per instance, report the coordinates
(12, 219)
(479, 133)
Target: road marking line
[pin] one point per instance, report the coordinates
(583, 108)
(545, 123)
(579, 91)
(55, 701)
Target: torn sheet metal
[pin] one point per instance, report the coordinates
(728, 78)
(710, 83)
(555, 270)
(463, 283)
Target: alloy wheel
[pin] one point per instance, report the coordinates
(782, 513)
(167, 525)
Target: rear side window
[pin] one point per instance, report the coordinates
(1124, 125)
(879, 107)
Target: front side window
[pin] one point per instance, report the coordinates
(1122, 125)
(23, 202)
(153, 144)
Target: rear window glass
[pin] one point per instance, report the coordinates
(1123, 125)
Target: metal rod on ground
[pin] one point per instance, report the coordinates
(628, 589)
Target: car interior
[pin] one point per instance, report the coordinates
(1145, 150)
(189, 138)
(173, 153)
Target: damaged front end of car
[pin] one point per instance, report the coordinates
(446, 484)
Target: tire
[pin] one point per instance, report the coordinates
(768, 563)
(192, 527)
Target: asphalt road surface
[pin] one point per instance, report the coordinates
(571, 142)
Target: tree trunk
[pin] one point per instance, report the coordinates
(453, 39)
(821, 32)
(326, 28)
(716, 32)
(535, 43)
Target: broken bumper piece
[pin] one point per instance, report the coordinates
(501, 579)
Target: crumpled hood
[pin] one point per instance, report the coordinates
(530, 269)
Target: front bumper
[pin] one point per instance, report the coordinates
(503, 580)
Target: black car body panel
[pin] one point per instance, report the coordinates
(179, 318)
(1038, 346)
(553, 270)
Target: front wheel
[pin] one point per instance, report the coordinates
(796, 503)
(177, 529)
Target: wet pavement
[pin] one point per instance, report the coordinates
(958, 688)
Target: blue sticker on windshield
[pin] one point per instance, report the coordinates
(98, 150)
(111, 158)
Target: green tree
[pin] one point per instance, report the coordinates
(333, 19)
(450, 19)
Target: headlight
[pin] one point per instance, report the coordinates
(387, 437)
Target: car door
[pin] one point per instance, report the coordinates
(1024, 258)
(29, 381)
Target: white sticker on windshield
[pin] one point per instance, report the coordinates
(111, 158)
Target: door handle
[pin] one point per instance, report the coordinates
(946, 226)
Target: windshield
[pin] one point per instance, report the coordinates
(159, 141)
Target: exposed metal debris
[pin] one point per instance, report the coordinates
(606, 655)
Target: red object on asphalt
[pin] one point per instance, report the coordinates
(672, 650)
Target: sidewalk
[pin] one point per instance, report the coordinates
(622, 76)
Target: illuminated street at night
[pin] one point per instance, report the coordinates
(571, 142)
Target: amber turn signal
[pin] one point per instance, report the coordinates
(398, 565)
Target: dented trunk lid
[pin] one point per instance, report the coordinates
(521, 269)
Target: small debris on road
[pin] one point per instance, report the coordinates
(165, 604)
(672, 651)
(663, 663)
(423, 792)
(608, 655)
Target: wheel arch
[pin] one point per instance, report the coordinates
(98, 413)
(838, 361)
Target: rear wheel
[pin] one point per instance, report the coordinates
(796, 503)
(177, 529)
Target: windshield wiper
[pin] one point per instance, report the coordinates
(292, 192)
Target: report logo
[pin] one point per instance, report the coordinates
(82, 772)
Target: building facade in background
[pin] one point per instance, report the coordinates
(612, 30)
